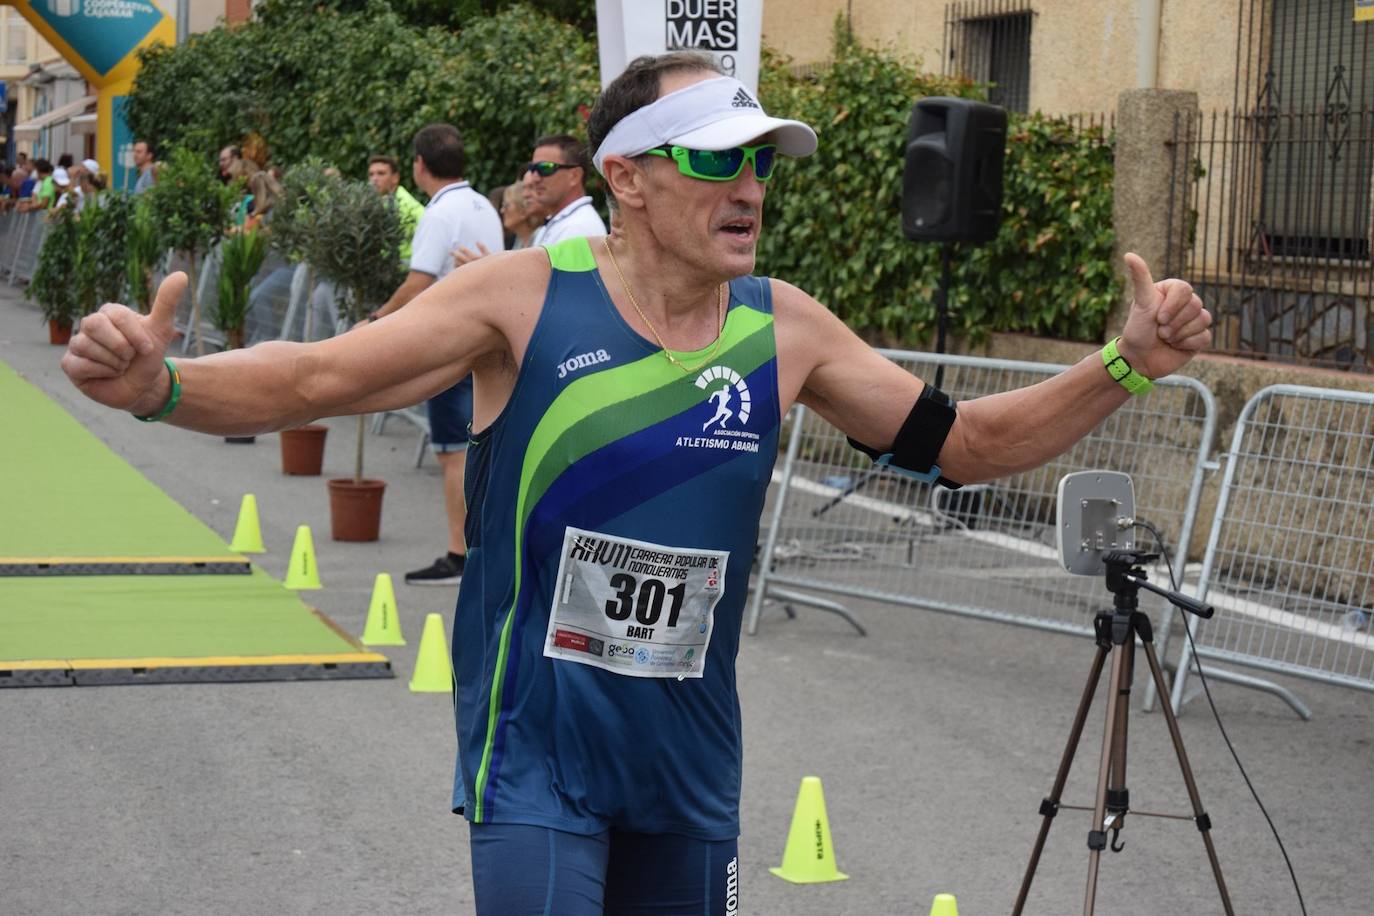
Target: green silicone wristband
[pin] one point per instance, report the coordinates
(1121, 371)
(171, 404)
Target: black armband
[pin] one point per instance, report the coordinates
(918, 443)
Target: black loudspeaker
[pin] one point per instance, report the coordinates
(952, 180)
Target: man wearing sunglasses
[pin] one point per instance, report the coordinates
(629, 394)
(455, 216)
(554, 179)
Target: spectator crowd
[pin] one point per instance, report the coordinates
(447, 226)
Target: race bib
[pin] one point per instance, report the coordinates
(632, 607)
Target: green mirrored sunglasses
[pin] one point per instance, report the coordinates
(721, 164)
(546, 169)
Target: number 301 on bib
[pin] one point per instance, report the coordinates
(633, 607)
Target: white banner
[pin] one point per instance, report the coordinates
(730, 30)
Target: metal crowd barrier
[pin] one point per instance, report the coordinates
(1289, 564)
(285, 303)
(9, 224)
(280, 306)
(20, 240)
(985, 551)
(28, 246)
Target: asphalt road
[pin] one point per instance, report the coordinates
(935, 737)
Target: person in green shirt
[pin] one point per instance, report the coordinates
(384, 174)
(45, 191)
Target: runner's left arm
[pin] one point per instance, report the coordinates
(869, 397)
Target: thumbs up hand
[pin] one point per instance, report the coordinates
(116, 360)
(1166, 325)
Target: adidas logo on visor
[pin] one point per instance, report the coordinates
(742, 100)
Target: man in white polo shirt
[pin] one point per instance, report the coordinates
(553, 181)
(456, 216)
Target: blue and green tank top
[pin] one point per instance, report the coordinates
(613, 509)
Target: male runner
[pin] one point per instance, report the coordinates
(610, 536)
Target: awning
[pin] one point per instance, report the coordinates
(84, 123)
(29, 130)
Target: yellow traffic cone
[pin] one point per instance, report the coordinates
(433, 670)
(944, 905)
(809, 858)
(383, 626)
(302, 573)
(247, 533)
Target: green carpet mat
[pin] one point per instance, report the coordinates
(171, 616)
(79, 499)
(131, 629)
(85, 625)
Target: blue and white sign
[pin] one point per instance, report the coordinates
(103, 32)
(729, 30)
(123, 172)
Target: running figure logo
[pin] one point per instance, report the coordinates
(732, 384)
(723, 411)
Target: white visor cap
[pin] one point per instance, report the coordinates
(713, 114)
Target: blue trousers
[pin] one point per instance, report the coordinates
(538, 871)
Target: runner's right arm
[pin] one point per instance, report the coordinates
(117, 358)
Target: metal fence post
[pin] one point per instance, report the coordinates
(765, 564)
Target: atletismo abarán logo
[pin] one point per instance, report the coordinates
(725, 413)
(729, 394)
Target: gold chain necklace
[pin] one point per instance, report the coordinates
(720, 318)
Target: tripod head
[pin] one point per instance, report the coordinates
(1126, 576)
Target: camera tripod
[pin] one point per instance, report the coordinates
(1116, 632)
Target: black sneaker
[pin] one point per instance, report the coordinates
(447, 570)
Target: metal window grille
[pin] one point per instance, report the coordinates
(1272, 203)
(1316, 183)
(1306, 296)
(988, 41)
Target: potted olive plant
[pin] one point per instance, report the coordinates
(53, 286)
(192, 207)
(355, 243)
(289, 232)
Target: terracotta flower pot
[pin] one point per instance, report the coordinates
(355, 509)
(59, 332)
(302, 450)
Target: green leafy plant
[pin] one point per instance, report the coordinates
(355, 242)
(1051, 270)
(102, 243)
(191, 207)
(343, 80)
(241, 255)
(52, 285)
(293, 218)
(454, 14)
(292, 226)
(143, 250)
(833, 221)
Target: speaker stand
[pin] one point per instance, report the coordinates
(942, 308)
